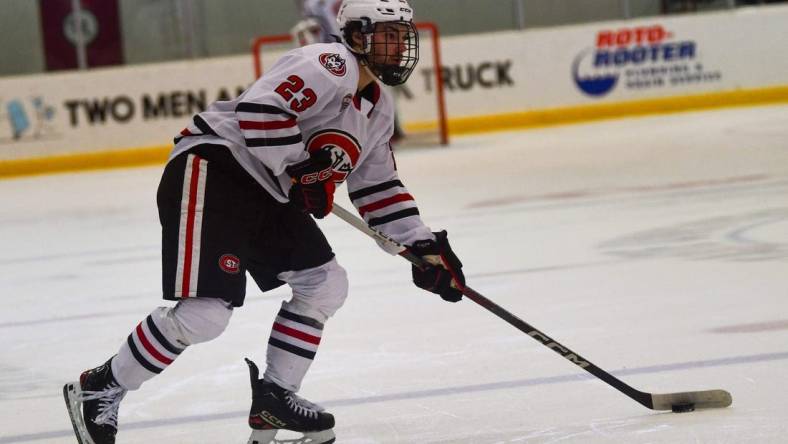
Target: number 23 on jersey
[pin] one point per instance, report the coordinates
(290, 87)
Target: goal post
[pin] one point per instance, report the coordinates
(423, 113)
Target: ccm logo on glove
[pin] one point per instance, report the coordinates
(320, 176)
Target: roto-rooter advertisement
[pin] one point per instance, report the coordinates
(640, 58)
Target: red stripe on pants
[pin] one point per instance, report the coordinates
(187, 258)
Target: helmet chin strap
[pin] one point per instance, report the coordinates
(369, 76)
(367, 43)
(362, 55)
(370, 68)
(366, 32)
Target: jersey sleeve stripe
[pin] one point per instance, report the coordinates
(393, 216)
(383, 203)
(254, 134)
(203, 126)
(190, 130)
(270, 125)
(274, 141)
(358, 194)
(259, 108)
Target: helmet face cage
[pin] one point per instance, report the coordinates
(390, 49)
(393, 51)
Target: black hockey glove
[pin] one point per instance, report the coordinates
(443, 275)
(313, 189)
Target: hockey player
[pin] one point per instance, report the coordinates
(238, 195)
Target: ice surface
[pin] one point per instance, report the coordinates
(656, 247)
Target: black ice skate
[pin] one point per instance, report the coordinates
(99, 395)
(275, 409)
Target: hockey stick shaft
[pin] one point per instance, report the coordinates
(394, 247)
(704, 399)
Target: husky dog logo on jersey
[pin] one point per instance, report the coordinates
(344, 148)
(333, 63)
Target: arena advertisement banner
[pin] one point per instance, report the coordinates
(610, 62)
(485, 74)
(115, 108)
(97, 21)
(639, 58)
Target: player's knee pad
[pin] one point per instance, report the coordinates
(318, 292)
(194, 320)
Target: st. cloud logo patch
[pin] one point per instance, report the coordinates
(230, 264)
(344, 148)
(333, 63)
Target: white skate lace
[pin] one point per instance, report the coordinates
(301, 406)
(109, 401)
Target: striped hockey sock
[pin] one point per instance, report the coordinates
(145, 354)
(291, 349)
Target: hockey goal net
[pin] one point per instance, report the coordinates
(421, 105)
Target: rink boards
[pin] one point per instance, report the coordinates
(128, 115)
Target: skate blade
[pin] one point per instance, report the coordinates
(276, 436)
(72, 393)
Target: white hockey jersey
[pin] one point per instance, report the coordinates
(307, 101)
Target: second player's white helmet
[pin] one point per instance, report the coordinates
(388, 43)
(306, 32)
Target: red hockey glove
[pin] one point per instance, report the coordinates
(443, 275)
(313, 189)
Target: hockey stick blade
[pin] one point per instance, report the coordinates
(706, 399)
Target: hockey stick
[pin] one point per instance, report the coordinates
(677, 402)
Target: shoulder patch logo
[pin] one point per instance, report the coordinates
(333, 63)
